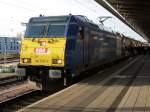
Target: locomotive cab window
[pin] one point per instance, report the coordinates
(50, 27)
(56, 29)
(35, 30)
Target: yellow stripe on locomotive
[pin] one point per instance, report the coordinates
(43, 51)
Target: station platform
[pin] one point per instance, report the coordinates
(125, 89)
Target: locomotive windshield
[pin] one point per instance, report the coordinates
(35, 30)
(46, 28)
(56, 29)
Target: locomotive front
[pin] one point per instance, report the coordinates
(43, 48)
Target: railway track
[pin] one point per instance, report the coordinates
(11, 79)
(15, 90)
(23, 99)
(7, 72)
(34, 96)
(9, 61)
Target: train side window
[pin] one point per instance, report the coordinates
(81, 33)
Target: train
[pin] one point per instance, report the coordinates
(62, 47)
(9, 47)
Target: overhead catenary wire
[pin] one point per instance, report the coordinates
(87, 7)
(23, 2)
(28, 4)
(18, 6)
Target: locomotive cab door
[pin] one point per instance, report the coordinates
(82, 42)
(80, 50)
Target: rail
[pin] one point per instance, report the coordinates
(15, 91)
(11, 79)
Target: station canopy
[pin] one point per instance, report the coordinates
(135, 13)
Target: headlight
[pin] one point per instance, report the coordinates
(56, 61)
(26, 60)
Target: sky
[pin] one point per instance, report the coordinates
(15, 12)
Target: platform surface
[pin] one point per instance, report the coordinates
(124, 90)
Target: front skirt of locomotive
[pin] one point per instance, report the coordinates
(44, 77)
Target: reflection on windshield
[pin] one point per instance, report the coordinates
(51, 29)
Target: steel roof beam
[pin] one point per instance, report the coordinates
(129, 1)
(133, 8)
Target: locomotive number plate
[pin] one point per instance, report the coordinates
(41, 50)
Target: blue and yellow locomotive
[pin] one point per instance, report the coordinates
(61, 47)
